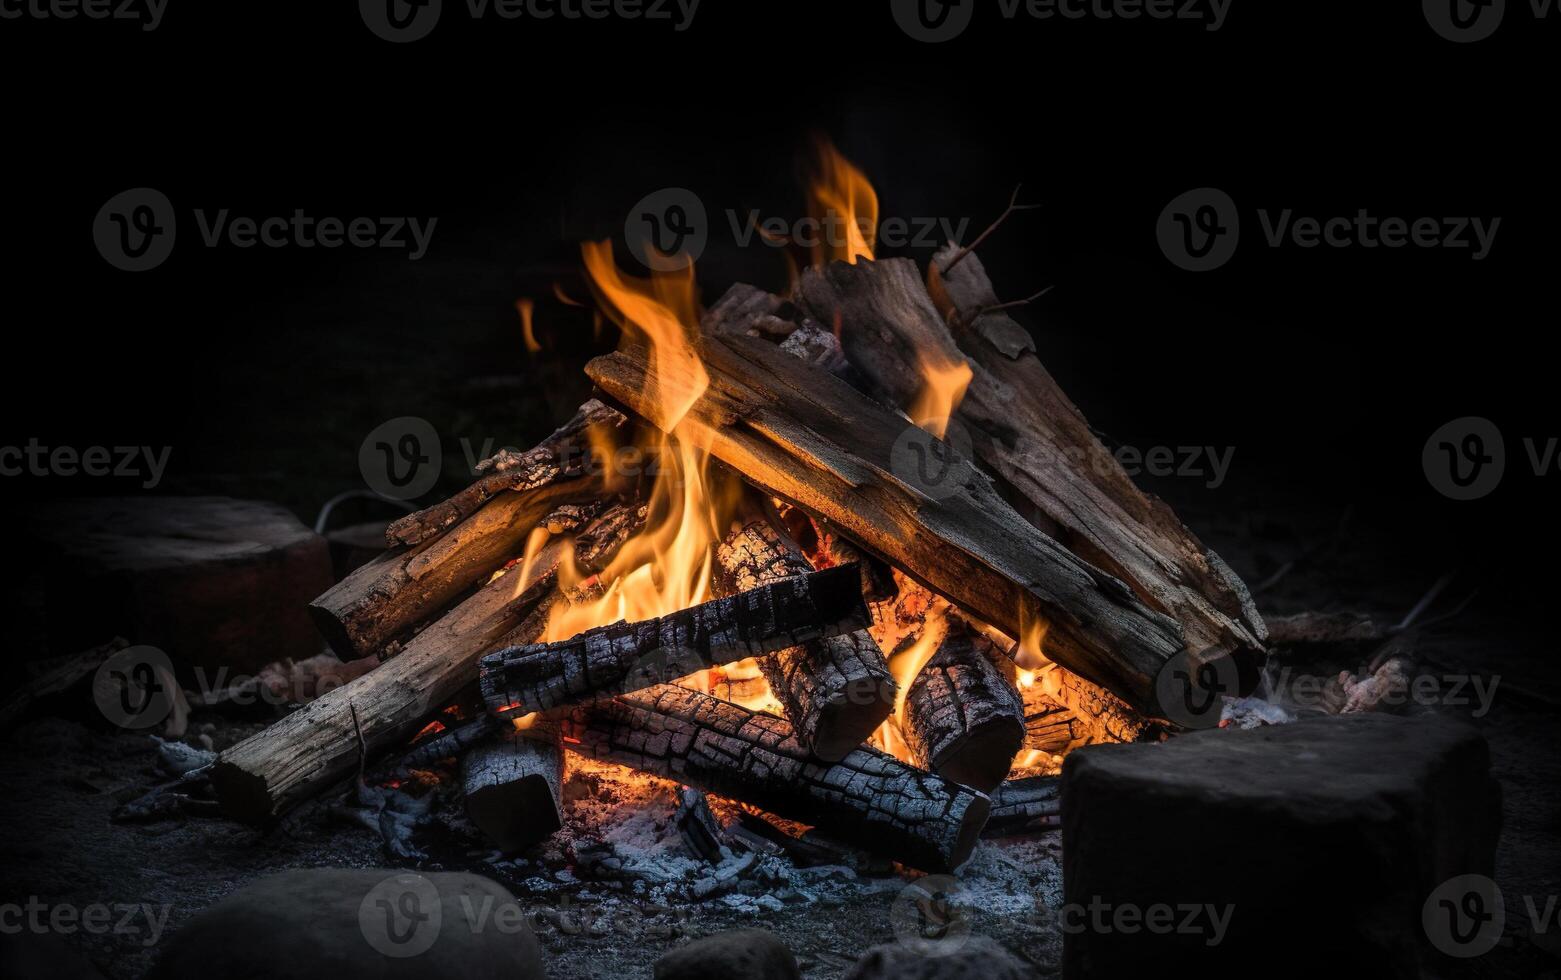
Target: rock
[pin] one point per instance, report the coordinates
(1318, 842)
(212, 581)
(976, 958)
(357, 923)
(739, 954)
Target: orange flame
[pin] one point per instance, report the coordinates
(667, 565)
(525, 307)
(943, 383)
(843, 202)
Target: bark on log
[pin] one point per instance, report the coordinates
(626, 657)
(387, 597)
(809, 438)
(1025, 806)
(868, 798)
(964, 719)
(513, 786)
(563, 452)
(834, 691)
(1028, 432)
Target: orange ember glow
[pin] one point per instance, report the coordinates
(844, 204)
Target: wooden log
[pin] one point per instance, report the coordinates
(963, 718)
(386, 598)
(868, 798)
(513, 787)
(630, 656)
(1099, 717)
(1025, 806)
(318, 745)
(834, 691)
(563, 452)
(1048, 726)
(1032, 437)
(803, 435)
(697, 825)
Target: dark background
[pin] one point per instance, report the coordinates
(264, 369)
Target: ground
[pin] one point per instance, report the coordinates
(61, 777)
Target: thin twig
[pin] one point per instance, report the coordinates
(1011, 304)
(1425, 603)
(1013, 205)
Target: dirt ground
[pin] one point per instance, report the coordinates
(61, 777)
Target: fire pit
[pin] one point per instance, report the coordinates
(812, 601)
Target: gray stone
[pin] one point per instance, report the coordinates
(740, 954)
(349, 924)
(1317, 843)
(976, 958)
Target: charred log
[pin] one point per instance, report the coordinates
(834, 691)
(963, 718)
(1025, 806)
(513, 787)
(631, 656)
(868, 798)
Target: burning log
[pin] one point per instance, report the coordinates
(513, 786)
(834, 691)
(1098, 715)
(868, 798)
(803, 435)
(459, 543)
(1032, 438)
(1048, 726)
(963, 717)
(1025, 806)
(631, 656)
(317, 746)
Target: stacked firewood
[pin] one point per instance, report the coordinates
(864, 551)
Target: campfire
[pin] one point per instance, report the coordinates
(846, 559)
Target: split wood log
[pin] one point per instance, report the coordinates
(459, 543)
(513, 786)
(803, 435)
(834, 691)
(310, 750)
(1099, 717)
(697, 825)
(1025, 806)
(318, 745)
(868, 798)
(1048, 726)
(630, 656)
(963, 717)
(1032, 437)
